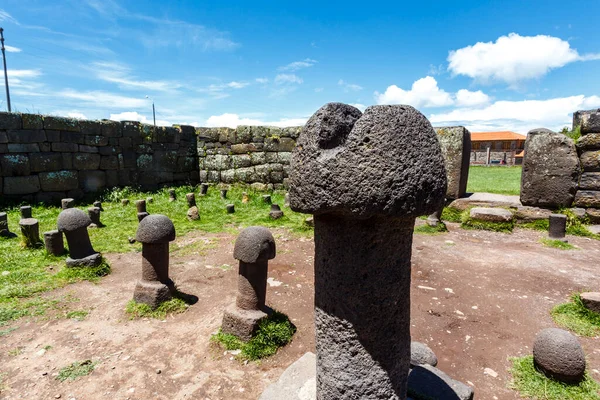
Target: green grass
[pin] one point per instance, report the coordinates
(273, 332)
(576, 317)
(538, 225)
(557, 244)
(451, 214)
(469, 223)
(76, 370)
(78, 315)
(431, 230)
(498, 179)
(531, 383)
(140, 310)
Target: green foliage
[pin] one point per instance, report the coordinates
(140, 310)
(273, 332)
(451, 214)
(497, 179)
(531, 383)
(576, 226)
(576, 317)
(574, 134)
(76, 370)
(557, 244)
(431, 230)
(78, 315)
(538, 225)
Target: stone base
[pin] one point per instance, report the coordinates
(591, 301)
(151, 293)
(432, 221)
(90, 261)
(298, 381)
(276, 214)
(487, 214)
(425, 381)
(241, 323)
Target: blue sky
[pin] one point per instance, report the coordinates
(511, 65)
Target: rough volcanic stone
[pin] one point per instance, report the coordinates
(587, 198)
(588, 142)
(593, 214)
(193, 214)
(557, 226)
(59, 181)
(455, 143)
(86, 161)
(491, 214)
(61, 124)
(92, 181)
(10, 121)
(21, 184)
(230, 208)
(298, 381)
(54, 243)
(551, 170)
(94, 214)
(42, 162)
(26, 136)
(558, 354)
(155, 229)
(266, 198)
(15, 165)
(275, 212)
(32, 121)
(587, 120)
(4, 228)
(590, 161)
(589, 181)
(427, 382)
(223, 193)
(420, 354)
(73, 223)
(23, 148)
(591, 301)
(254, 243)
(340, 147)
(25, 211)
(203, 189)
(30, 231)
(530, 214)
(172, 195)
(67, 203)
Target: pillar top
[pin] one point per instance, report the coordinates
(385, 162)
(72, 219)
(154, 229)
(255, 243)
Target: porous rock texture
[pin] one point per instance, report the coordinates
(455, 142)
(489, 214)
(587, 120)
(254, 243)
(551, 170)
(427, 382)
(420, 354)
(155, 228)
(591, 301)
(558, 354)
(392, 151)
(72, 219)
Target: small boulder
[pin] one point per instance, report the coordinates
(488, 214)
(559, 355)
(421, 354)
(591, 301)
(427, 382)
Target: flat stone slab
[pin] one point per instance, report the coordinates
(529, 214)
(591, 300)
(491, 214)
(486, 200)
(594, 229)
(298, 381)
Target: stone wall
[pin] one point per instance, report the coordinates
(44, 158)
(588, 148)
(479, 157)
(247, 154)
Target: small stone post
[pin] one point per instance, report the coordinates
(30, 228)
(363, 238)
(266, 198)
(155, 232)
(140, 206)
(275, 212)
(67, 203)
(557, 227)
(54, 243)
(125, 202)
(203, 189)
(254, 247)
(223, 193)
(94, 214)
(286, 200)
(73, 223)
(4, 230)
(172, 195)
(230, 208)
(193, 213)
(99, 205)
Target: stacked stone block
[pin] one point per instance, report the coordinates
(247, 154)
(45, 159)
(588, 148)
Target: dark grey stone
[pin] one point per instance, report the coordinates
(32, 121)
(587, 198)
(551, 170)
(94, 214)
(93, 260)
(298, 381)
(65, 147)
(54, 243)
(230, 208)
(23, 148)
(203, 189)
(42, 162)
(490, 214)
(26, 136)
(59, 181)
(30, 231)
(61, 124)
(591, 301)
(172, 195)
(67, 203)
(21, 184)
(266, 198)
(588, 142)
(73, 223)
(99, 205)
(275, 212)
(557, 227)
(10, 121)
(86, 161)
(254, 243)
(590, 161)
(15, 165)
(558, 354)
(455, 142)
(587, 120)
(427, 382)
(25, 212)
(191, 199)
(223, 193)
(141, 216)
(155, 229)
(589, 181)
(4, 228)
(421, 354)
(92, 181)
(140, 205)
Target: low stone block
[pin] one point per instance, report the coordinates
(72, 137)
(26, 136)
(587, 120)
(151, 293)
(590, 141)
(42, 162)
(111, 129)
(90, 127)
(52, 136)
(21, 184)
(427, 382)
(587, 198)
(593, 214)
(87, 149)
(10, 121)
(131, 128)
(23, 148)
(243, 134)
(589, 181)
(241, 323)
(228, 176)
(67, 160)
(109, 162)
(93, 260)
(59, 181)
(112, 178)
(3, 137)
(108, 150)
(241, 161)
(65, 147)
(95, 140)
(284, 157)
(590, 161)
(61, 124)
(92, 181)
(491, 214)
(213, 176)
(32, 121)
(530, 214)
(15, 165)
(591, 301)
(86, 161)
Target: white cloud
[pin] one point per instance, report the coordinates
(296, 65)
(24, 73)
(423, 93)
(135, 116)
(262, 80)
(466, 98)
(519, 116)
(287, 78)
(233, 120)
(349, 86)
(103, 99)
(318, 90)
(514, 58)
(5, 16)
(361, 107)
(120, 74)
(76, 115)
(12, 49)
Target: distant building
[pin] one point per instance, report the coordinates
(497, 148)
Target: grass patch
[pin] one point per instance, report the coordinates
(76, 370)
(273, 332)
(8, 331)
(451, 214)
(576, 317)
(557, 244)
(531, 383)
(538, 225)
(141, 310)
(15, 352)
(501, 180)
(431, 230)
(78, 315)
(469, 223)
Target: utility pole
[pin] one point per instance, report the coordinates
(153, 112)
(5, 71)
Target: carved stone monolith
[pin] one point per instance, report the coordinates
(230, 208)
(254, 247)
(557, 227)
(30, 228)
(203, 189)
(54, 243)
(4, 229)
(140, 206)
(67, 203)
(193, 213)
(172, 195)
(266, 198)
(275, 212)
(223, 193)
(73, 223)
(94, 214)
(363, 238)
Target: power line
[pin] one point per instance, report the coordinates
(5, 70)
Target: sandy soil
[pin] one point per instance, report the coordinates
(477, 299)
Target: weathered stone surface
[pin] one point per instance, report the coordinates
(339, 147)
(92, 181)
(21, 184)
(10, 120)
(86, 161)
(427, 382)
(587, 120)
(590, 161)
(588, 142)
(30, 231)
(593, 214)
(72, 219)
(298, 381)
(155, 229)
(65, 147)
(557, 226)
(152, 293)
(32, 121)
(26, 136)
(254, 243)
(530, 214)
(589, 181)
(93, 260)
(587, 198)
(59, 181)
(455, 143)
(491, 214)
(558, 354)
(240, 322)
(87, 149)
(53, 241)
(61, 124)
(275, 212)
(42, 162)
(591, 300)
(551, 170)
(23, 148)
(15, 165)
(421, 354)
(73, 223)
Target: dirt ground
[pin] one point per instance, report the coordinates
(477, 298)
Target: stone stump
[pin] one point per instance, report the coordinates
(140, 206)
(193, 213)
(94, 214)
(557, 226)
(363, 238)
(203, 189)
(67, 203)
(223, 193)
(73, 223)
(172, 195)
(155, 232)
(125, 202)
(99, 205)
(230, 208)
(254, 247)
(54, 243)
(266, 198)
(286, 200)
(4, 229)
(275, 212)
(30, 228)
(588, 146)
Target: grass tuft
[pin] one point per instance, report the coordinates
(451, 214)
(273, 332)
(431, 230)
(538, 225)
(76, 370)
(557, 244)
(531, 383)
(469, 223)
(576, 317)
(141, 310)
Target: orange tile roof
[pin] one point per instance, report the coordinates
(488, 136)
(520, 154)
